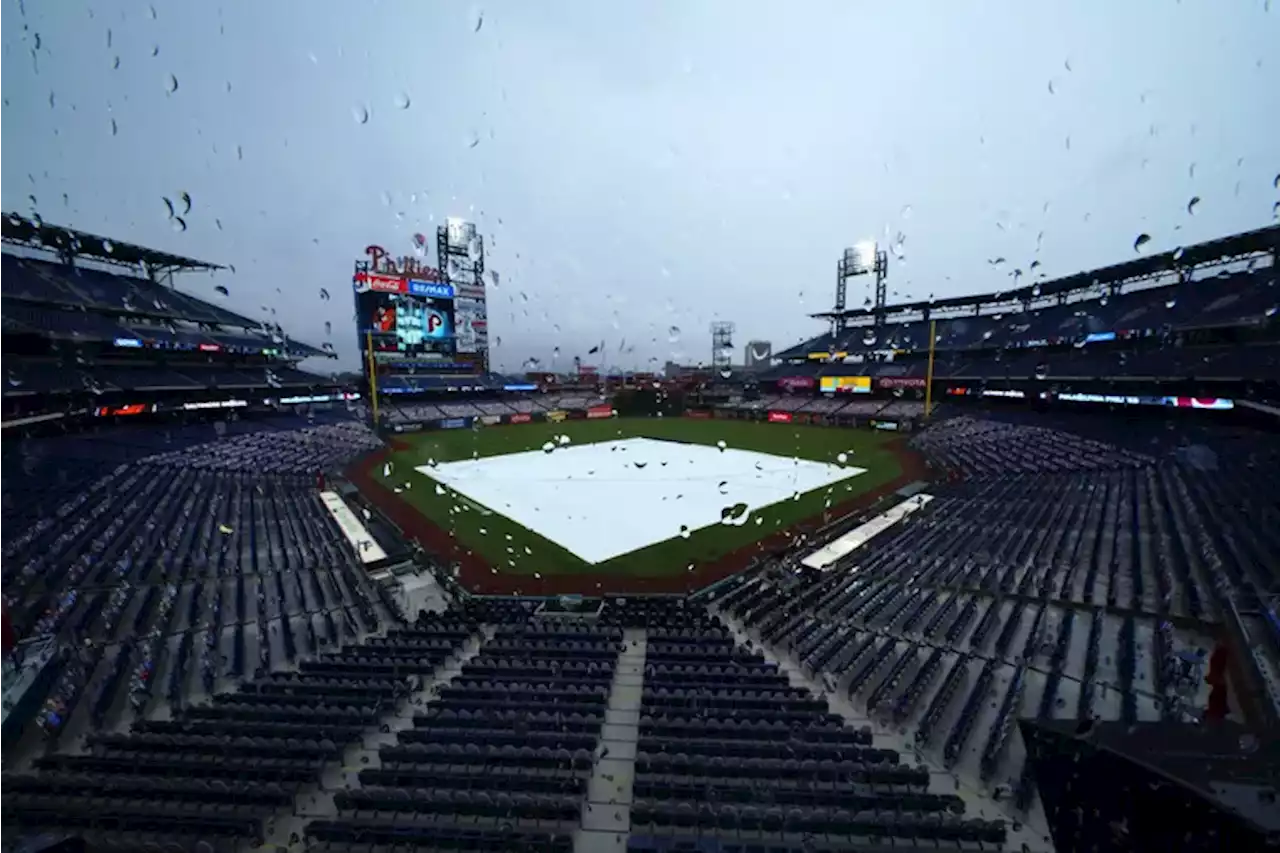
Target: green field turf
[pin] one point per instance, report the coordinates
(514, 549)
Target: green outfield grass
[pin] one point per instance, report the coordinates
(514, 549)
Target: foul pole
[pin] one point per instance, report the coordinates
(928, 381)
(373, 376)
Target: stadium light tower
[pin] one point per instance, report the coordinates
(722, 347)
(864, 258)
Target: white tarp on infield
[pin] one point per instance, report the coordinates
(602, 500)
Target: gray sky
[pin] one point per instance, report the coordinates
(639, 167)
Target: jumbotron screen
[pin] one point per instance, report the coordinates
(405, 319)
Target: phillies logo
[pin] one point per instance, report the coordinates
(381, 261)
(435, 322)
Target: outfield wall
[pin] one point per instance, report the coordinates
(477, 421)
(561, 415)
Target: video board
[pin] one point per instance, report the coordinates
(405, 319)
(845, 384)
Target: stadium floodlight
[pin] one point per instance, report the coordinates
(864, 256)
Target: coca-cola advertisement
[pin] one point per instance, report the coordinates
(779, 417)
(521, 418)
(796, 383)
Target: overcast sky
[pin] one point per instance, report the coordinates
(640, 169)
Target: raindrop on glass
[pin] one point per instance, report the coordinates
(402, 101)
(1170, 303)
(324, 294)
(1191, 205)
(222, 291)
(869, 337)
(360, 113)
(171, 84)
(179, 224)
(1140, 241)
(673, 334)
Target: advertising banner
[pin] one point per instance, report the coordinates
(779, 417)
(846, 384)
(557, 415)
(490, 420)
(697, 414)
(900, 382)
(412, 426)
(471, 325)
(455, 423)
(600, 412)
(886, 425)
(796, 383)
(521, 418)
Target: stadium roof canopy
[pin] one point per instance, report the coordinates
(1214, 251)
(33, 234)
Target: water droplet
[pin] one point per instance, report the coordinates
(1052, 88)
(640, 464)
(179, 224)
(185, 199)
(673, 334)
(324, 294)
(721, 444)
(906, 212)
(1171, 302)
(548, 447)
(1177, 253)
(477, 19)
(115, 64)
(1042, 371)
(108, 247)
(168, 205)
(402, 101)
(155, 50)
(899, 245)
(222, 291)
(360, 113)
(1191, 205)
(1142, 240)
(115, 129)
(171, 84)
(869, 337)
(685, 532)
